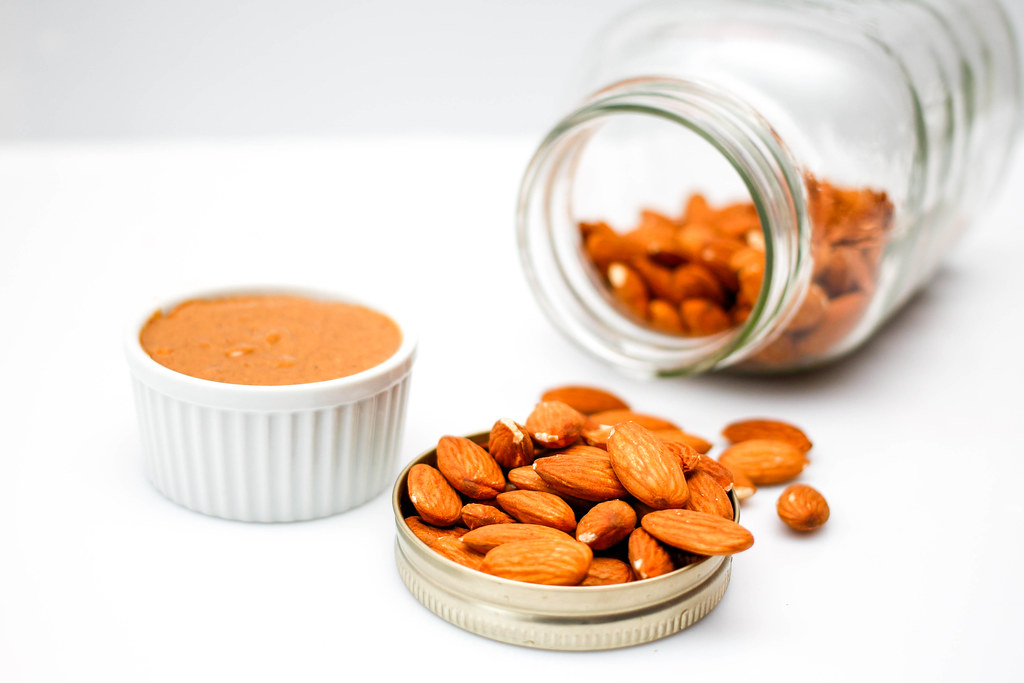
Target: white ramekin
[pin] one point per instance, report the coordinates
(269, 453)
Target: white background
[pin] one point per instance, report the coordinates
(917, 439)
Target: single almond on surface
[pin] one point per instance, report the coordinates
(484, 538)
(697, 532)
(588, 477)
(537, 507)
(607, 571)
(606, 524)
(646, 468)
(760, 428)
(802, 507)
(707, 495)
(587, 400)
(647, 557)
(554, 424)
(476, 515)
(765, 461)
(469, 468)
(433, 497)
(543, 561)
(510, 445)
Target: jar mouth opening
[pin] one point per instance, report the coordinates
(551, 206)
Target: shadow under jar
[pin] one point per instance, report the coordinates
(815, 158)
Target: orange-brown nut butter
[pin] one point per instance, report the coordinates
(269, 340)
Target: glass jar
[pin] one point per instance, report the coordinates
(762, 183)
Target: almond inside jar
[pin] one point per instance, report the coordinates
(269, 339)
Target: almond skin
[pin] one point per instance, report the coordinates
(587, 400)
(587, 477)
(802, 507)
(433, 497)
(537, 507)
(606, 524)
(485, 538)
(697, 532)
(646, 468)
(469, 468)
(765, 461)
(554, 424)
(543, 561)
(744, 430)
(476, 515)
(706, 495)
(647, 557)
(510, 444)
(607, 571)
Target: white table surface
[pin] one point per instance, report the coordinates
(917, 438)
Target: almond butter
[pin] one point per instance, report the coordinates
(802, 507)
(555, 424)
(469, 468)
(646, 468)
(587, 477)
(476, 515)
(587, 400)
(606, 524)
(543, 561)
(765, 461)
(762, 428)
(482, 539)
(647, 557)
(510, 445)
(537, 507)
(433, 497)
(607, 571)
(697, 532)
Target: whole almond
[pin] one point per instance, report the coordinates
(607, 571)
(428, 533)
(630, 288)
(760, 428)
(647, 557)
(484, 538)
(706, 495)
(689, 457)
(510, 445)
(722, 474)
(646, 468)
(543, 561)
(476, 515)
(588, 477)
(765, 461)
(587, 400)
(606, 524)
(614, 417)
(457, 551)
(695, 442)
(537, 507)
(802, 507)
(433, 497)
(697, 532)
(554, 424)
(469, 468)
(742, 486)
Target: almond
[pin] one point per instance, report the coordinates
(510, 445)
(645, 467)
(702, 317)
(457, 551)
(429, 534)
(476, 515)
(607, 571)
(761, 428)
(706, 495)
(543, 561)
(695, 442)
(722, 474)
(554, 424)
(697, 532)
(606, 524)
(614, 417)
(588, 477)
(587, 400)
(647, 557)
(802, 507)
(484, 538)
(742, 486)
(765, 461)
(433, 497)
(537, 507)
(469, 468)
(630, 288)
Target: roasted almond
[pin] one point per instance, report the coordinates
(765, 461)
(588, 477)
(433, 497)
(543, 561)
(647, 557)
(476, 515)
(587, 400)
(537, 507)
(484, 538)
(802, 507)
(469, 468)
(607, 571)
(606, 524)
(706, 495)
(555, 424)
(510, 445)
(646, 468)
(697, 532)
(761, 428)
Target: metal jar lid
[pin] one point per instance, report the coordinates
(553, 617)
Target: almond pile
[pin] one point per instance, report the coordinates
(700, 273)
(589, 492)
